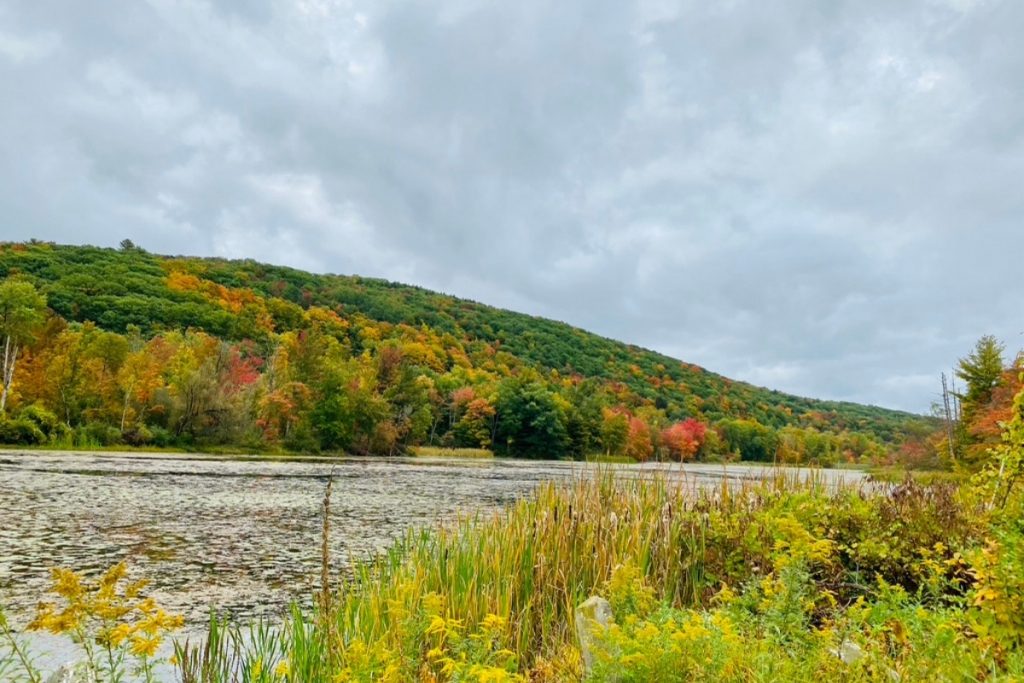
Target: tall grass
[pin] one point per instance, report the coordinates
(535, 561)
(527, 567)
(450, 452)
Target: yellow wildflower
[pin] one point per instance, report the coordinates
(133, 589)
(437, 625)
(492, 622)
(67, 583)
(120, 633)
(113, 575)
(144, 647)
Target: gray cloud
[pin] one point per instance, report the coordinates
(822, 197)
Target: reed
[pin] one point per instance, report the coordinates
(450, 452)
(492, 596)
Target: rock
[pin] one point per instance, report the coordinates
(594, 612)
(849, 652)
(73, 672)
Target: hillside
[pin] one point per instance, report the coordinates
(432, 368)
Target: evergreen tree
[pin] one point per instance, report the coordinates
(982, 370)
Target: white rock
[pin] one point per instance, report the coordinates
(73, 672)
(594, 613)
(849, 652)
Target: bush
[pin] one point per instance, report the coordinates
(48, 423)
(97, 434)
(21, 432)
(139, 436)
(302, 440)
(160, 437)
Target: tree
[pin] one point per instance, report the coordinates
(751, 439)
(474, 428)
(531, 420)
(682, 440)
(982, 370)
(347, 410)
(584, 419)
(614, 430)
(279, 411)
(638, 440)
(21, 311)
(139, 375)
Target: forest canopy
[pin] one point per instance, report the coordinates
(120, 346)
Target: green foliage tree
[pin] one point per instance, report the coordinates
(752, 440)
(583, 418)
(348, 410)
(22, 309)
(614, 431)
(981, 369)
(531, 422)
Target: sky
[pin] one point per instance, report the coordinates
(825, 198)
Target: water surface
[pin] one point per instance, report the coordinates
(241, 535)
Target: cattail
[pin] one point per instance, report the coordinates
(325, 551)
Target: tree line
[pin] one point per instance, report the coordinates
(351, 384)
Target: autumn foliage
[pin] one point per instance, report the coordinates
(131, 348)
(682, 440)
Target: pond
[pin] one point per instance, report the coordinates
(240, 535)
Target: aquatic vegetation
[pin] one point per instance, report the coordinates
(769, 581)
(436, 452)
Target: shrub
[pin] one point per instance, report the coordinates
(138, 436)
(161, 437)
(20, 432)
(97, 434)
(48, 423)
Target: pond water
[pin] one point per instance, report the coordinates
(241, 535)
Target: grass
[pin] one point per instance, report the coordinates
(439, 452)
(895, 474)
(603, 458)
(763, 581)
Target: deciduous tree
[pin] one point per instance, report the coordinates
(22, 310)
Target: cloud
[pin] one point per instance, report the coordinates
(819, 197)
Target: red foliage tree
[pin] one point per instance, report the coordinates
(638, 440)
(684, 439)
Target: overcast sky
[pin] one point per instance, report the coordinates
(820, 197)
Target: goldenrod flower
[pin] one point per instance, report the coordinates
(282, 669)
(119, 634)
(144, 647)
(437, 625)
(493, 622)
(113, 575)
(66, 583)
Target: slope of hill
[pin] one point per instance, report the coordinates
(433, 368)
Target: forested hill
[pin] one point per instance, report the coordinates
(470, 361)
